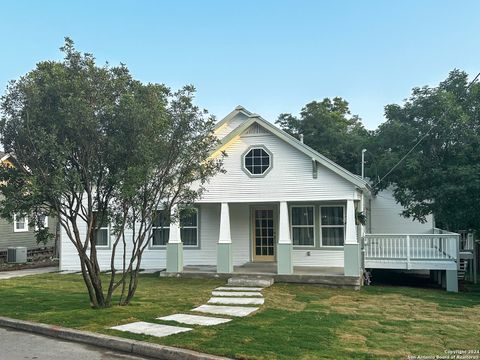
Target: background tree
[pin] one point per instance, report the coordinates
(442, 174)
(329, 128)
(93, 145)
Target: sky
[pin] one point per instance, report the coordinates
(271, 57)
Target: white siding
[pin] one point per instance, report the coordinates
(209, 225)
(240, 232)
(290, 179)
(330, 258)
(385, 217)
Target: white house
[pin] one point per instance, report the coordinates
(286, 208)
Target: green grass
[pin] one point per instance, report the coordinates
(297, 321)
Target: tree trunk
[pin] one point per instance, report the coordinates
(93, 283)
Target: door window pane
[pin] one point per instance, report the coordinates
(264, 233)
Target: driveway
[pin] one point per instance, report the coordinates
(26, 272)
(19, 345)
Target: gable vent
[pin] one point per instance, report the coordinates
(255, 129)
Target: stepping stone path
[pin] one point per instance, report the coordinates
(141, 327)
(236, 301)
(194, 319)
(238, 311)
(236, 293)
(228, 299)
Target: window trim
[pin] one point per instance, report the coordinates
(331, 226)
(163, 247)
(108, 237)
(191, 227)
(15, 222)
(304, 226)
(250, 148)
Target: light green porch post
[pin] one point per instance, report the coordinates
(351, 248)
(284, 246)
(451, 280)
(224, 246)
(174, 247)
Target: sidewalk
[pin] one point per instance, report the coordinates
(26, 272)
(117, 344)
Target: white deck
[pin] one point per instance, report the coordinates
(411, 252)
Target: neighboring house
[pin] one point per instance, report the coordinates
(19, 232)
(284, 209)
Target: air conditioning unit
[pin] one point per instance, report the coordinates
(17, 255)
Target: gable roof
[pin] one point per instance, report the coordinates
(238, 110)
(307, 150)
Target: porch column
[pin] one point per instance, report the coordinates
(174, 245)
(284, 246)
(351, 249)
(224, 247)
(451, 280)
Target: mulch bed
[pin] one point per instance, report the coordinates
(37, 258)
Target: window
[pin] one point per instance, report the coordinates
(102, 233)
(257, 161)
(20, 223)
(332, 225)
(161, 228)
(188, 227)
(303, 225)
(43, 218)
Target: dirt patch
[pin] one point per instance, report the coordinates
(278, 297)
(353, 338)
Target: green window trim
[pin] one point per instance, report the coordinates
(340, 226)
(249, 155)
(310, 225)
(164, 227)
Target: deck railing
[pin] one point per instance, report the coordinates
(466, 239)
(412, 247)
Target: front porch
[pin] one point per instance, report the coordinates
(327, 276)
(316, 238)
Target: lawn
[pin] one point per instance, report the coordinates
(297, 321)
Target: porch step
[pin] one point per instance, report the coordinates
(251, 280)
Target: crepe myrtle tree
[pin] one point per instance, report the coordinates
(94, 146)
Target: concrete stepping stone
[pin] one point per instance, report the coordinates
(236, 293)
(195, 319)
(238, 288)
(238, 311)
(158, 330)
(236, 301)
